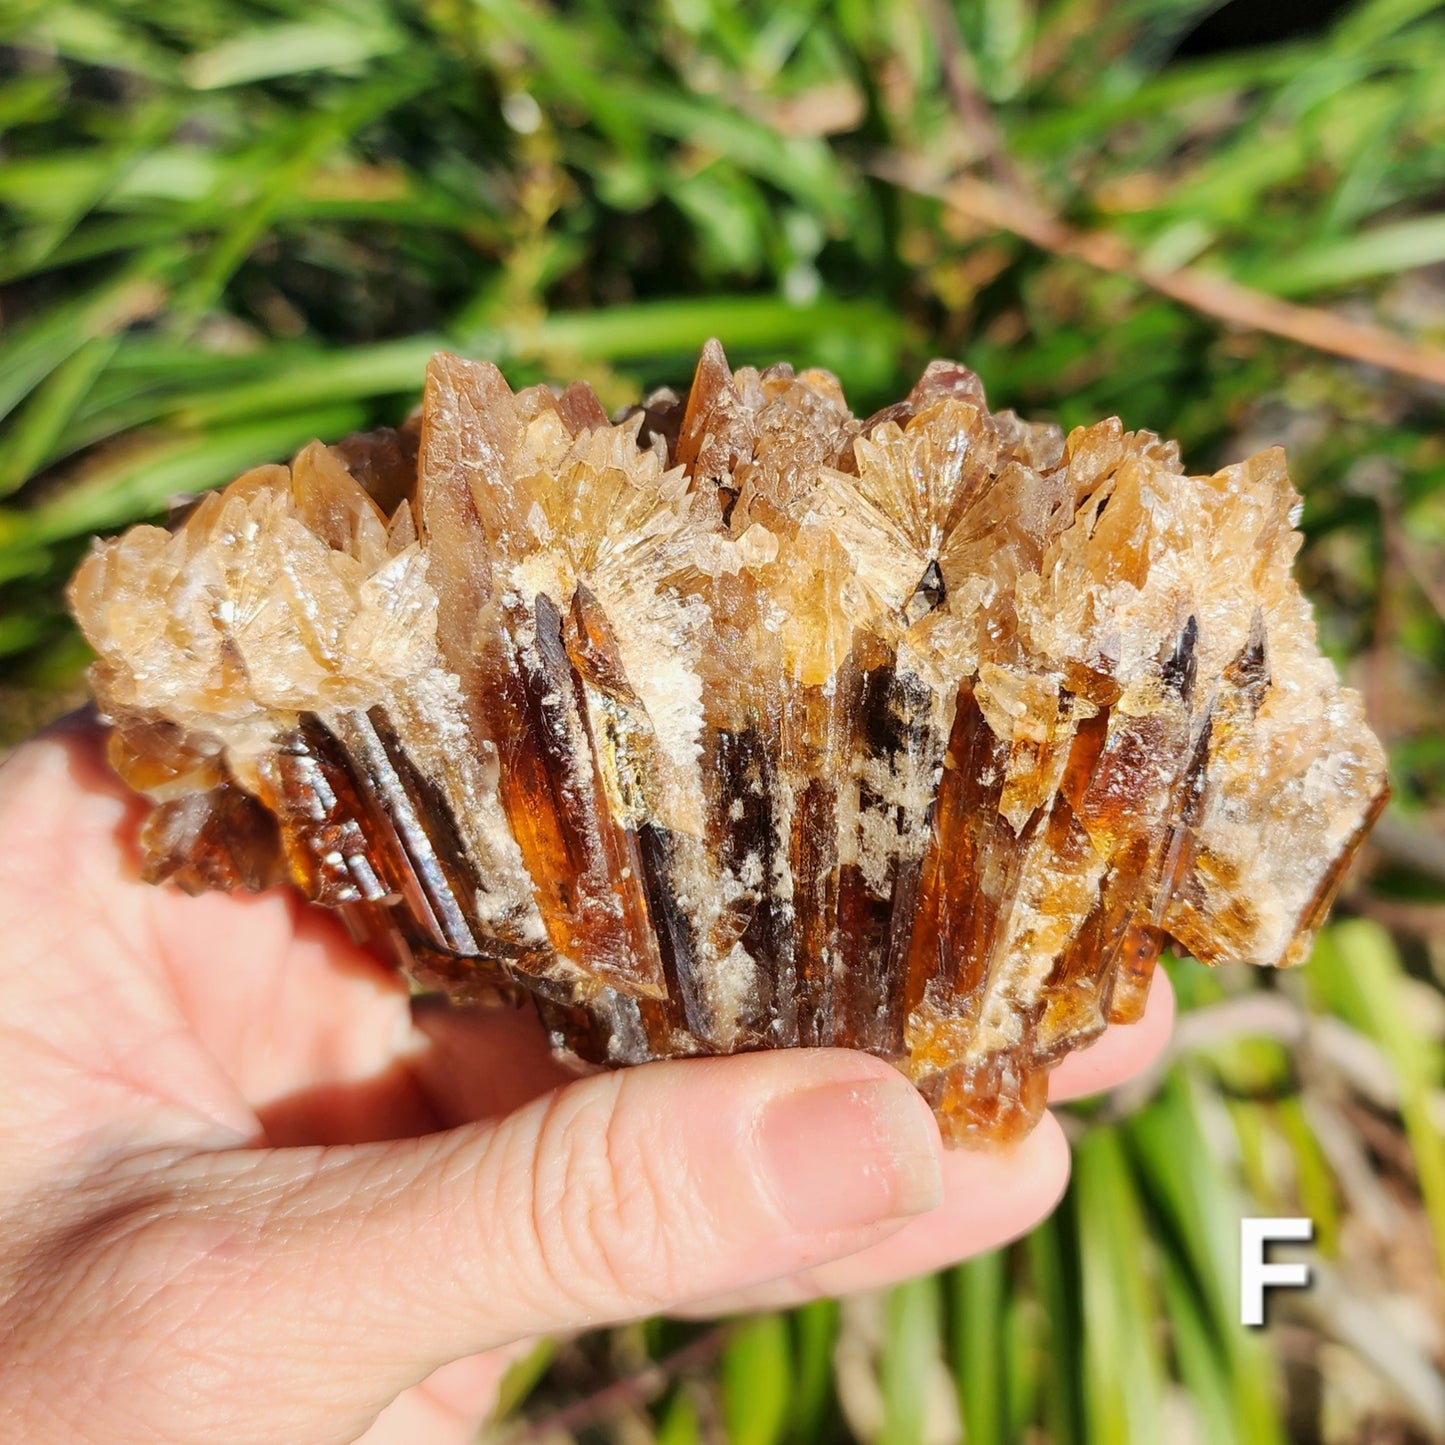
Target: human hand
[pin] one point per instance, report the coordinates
(247, 1193)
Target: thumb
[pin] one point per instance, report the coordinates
(355, 1271)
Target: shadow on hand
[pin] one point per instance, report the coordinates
(470, 1064)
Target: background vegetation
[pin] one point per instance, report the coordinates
(231, 225)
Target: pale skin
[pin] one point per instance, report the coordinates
(249, 1193)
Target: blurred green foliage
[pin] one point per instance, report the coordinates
(231, 225)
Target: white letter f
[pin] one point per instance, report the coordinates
(1255, 1275)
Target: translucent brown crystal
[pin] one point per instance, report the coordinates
(743, 723)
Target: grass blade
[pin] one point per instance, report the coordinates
(1123, 1370)
(980, 1288)
(33, 437)
(143, 480)
(912, 1353)
(1199, 1211)
(815, 1330)
(1055, 1282)
(1380, 251)
(756, 1373)
(294, 49)
(1355, 967)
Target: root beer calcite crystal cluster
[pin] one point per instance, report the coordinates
(745, 723)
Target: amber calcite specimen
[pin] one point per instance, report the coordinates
(744, 723)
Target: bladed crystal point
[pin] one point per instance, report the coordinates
(741, 722)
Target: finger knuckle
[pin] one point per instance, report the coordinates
(599, 1208)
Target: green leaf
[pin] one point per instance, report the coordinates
(521, 1378)
(680, 1424)
(1123, 1370)
(34, 435)
(1380, 251)
(664, 329)
(979, 1292)
(1205, 1373)
(315, 378)
(87, 33)
(142, 481)
(1055, 1282)
(22, 562)
(756, 1376)
(1356, 967)
(815, 1332)
(912, 1350)
(801, 165)
(1198, 1209)
(314, 139)
(572, 71)
(33, 350)
(289, 50)
(20, 633)
(1369, 23)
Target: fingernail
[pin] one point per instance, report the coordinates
(845, 1155)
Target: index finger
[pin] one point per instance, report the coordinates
(1121, 1051)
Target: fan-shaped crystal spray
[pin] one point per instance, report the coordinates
(742, 723)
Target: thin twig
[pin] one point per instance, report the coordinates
(1362, 1188)
(631, 1391)
(1217, 296)
(960, 75)
(1423, 919)
(1342, 1309)
(1252, 1015)
(1422, 851)
(1422, 567)
(1010, 203)
(1321, 1039)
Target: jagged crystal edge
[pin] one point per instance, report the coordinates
(740, 722)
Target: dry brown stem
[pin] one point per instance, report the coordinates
(1009, 202)
(992, 205)
(629, 1393)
